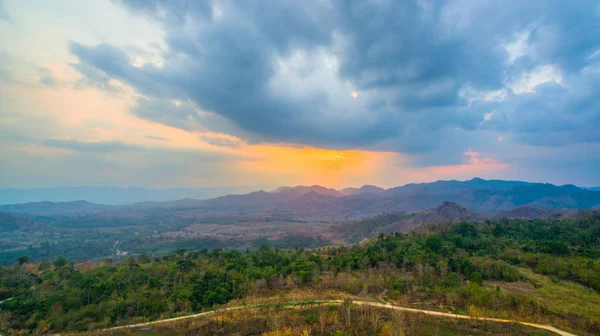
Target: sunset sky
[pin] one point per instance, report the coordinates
(338, 93)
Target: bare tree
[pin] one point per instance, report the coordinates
(420, 271)
(398, 326)
(375, 317)
(275, 317)
(322, 321)
(346, 309)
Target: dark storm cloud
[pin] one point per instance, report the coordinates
(555, 114)
(184, 115)
(420, 69)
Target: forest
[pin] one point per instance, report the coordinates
(534, 270)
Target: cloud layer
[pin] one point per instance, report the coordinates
(355, 74)
(291, 92)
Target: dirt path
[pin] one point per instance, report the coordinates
(365, 303)
(464, 317)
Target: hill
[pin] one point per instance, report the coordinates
(368, 189)
(526, 211)
(12, 222)
(402, 222)
(446, 212)
(542, 271)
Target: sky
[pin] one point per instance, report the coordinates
(179, 93)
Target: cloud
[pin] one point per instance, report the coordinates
(552, 113)
(184, 115)
(488, 116)
(173, 113)
(220, 140)
(91, 147)
(88, 165)
(48, 81)
(47, 78)
(477, 165)
(156, 138)
(94, 78)
(3, 14)
(6, 76)
(15, 70)
(371, 74)
(7, 66)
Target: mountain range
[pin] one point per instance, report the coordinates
(321, 203)
(117, 195)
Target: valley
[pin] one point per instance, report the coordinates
(290, 217)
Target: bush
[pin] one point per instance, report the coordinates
(477, 278)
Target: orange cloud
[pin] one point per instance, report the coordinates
(477, 165)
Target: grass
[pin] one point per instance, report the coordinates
(295, 320)
(564, 297)
(309, 300)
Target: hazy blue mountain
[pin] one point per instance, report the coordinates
(54, 208)
(477, 194)
(117, 195)
(317, 202)
(452, 187)
(369, 189)
(301, 190)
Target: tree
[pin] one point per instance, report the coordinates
(180, 251)
(60, 262)
(22, 260)
(477, 278)
(303, 270)
(88, 281)
(346, 309)
(144, 258)
(434, 243)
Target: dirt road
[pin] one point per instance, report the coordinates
(365, 303)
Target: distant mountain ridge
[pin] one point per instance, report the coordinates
(301, 190)
(321, 203)
(116, 195)
(368, 189)
(453, 187)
